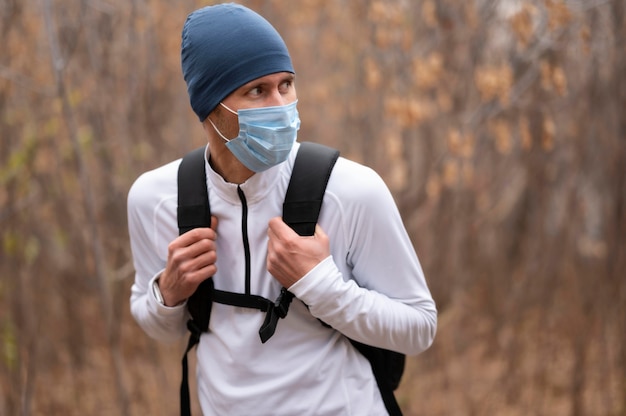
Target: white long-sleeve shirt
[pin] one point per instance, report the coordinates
(371, 289)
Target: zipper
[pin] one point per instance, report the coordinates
(244, 233)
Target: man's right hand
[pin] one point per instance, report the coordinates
(190, 260)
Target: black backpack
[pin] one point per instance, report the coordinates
(301, 208)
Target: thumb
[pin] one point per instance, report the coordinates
(214, 223)
(278, 227)
(319, 232)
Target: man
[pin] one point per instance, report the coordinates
(359, 273)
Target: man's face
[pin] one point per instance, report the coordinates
(268, 91)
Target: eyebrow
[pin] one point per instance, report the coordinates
(287, 76)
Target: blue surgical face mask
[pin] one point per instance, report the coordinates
(266, 135)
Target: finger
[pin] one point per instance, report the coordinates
(179, 252)
(200, 247)
(279, 228)
(271, 229)
(202, 266)
(204, 258)
(192, 236)
(200, 275)
(319, 232)
(274, 224)
(190, 265)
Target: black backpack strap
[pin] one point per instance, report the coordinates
(301, 208)
(273, 310)
(305, 193)
(193, 195)
(194, 211)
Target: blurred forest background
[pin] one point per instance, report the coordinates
(500, 127)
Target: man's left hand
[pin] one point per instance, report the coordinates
(291, 256)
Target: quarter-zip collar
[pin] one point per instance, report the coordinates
(256, 187)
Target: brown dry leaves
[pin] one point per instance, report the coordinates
(494, 82)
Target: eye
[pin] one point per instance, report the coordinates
(255, 92)
(285, 86)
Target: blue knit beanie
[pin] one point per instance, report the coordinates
(224, 47)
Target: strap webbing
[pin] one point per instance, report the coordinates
(193, 196)
(307, 186)
(194, 211)
(274, 310)
(185, 402)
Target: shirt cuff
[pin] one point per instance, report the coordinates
(317, 281)
(157, 306)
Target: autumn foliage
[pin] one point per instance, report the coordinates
(500, 127)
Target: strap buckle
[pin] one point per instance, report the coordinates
(282, 302)
(275, 311)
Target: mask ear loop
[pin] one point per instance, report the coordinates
(218, 132)
(216, 129)
(226, 107)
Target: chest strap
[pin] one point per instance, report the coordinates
(273, 310)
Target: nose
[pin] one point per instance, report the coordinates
(276, 98)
